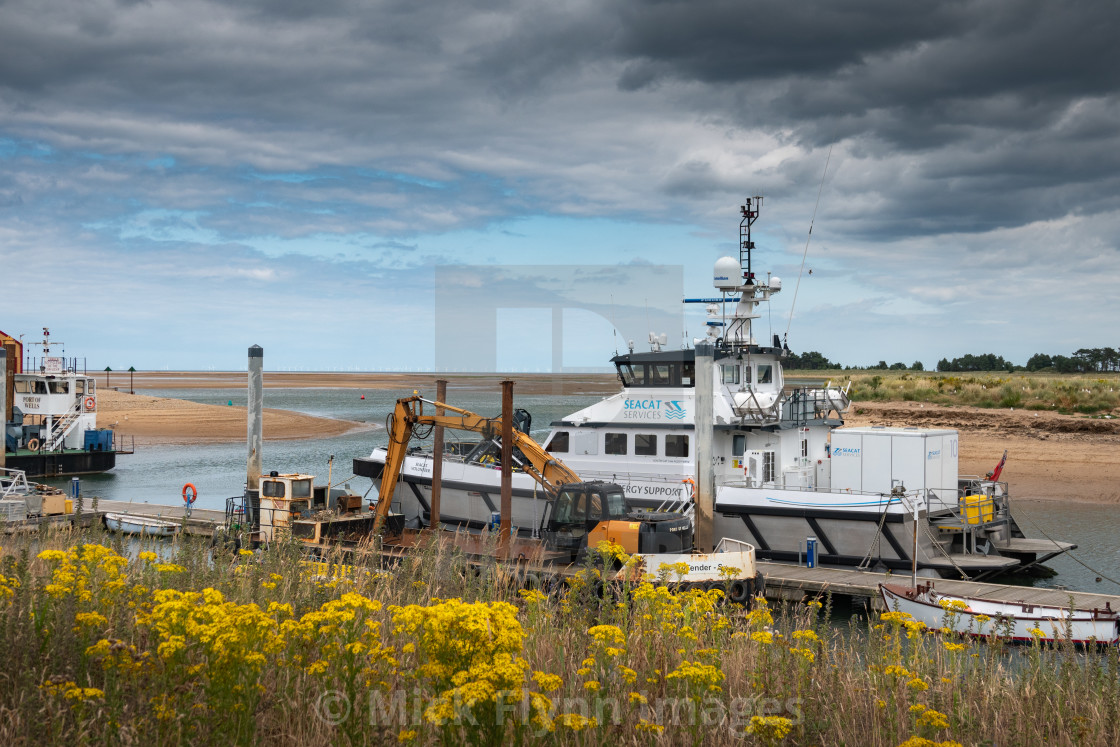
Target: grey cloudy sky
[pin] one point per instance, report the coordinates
(179, 180)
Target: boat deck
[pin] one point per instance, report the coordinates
(797, 582)
(1030, 546)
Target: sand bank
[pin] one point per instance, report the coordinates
(1049, 456)
(604, 383)
(162, 420)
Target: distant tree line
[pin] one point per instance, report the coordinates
(985, 362)
(1085, 360)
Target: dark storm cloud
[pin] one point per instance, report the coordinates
(948, 116)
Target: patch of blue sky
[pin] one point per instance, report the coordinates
(288, 177)
(549, 239)
(323, 246)
(545, 240)
(396, 176)
(163, 162)
(13, 148)
(163, 225)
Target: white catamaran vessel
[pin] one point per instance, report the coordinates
(787, 474)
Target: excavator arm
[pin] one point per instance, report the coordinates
(547, 470)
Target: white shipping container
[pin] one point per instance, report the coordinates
(874, 460)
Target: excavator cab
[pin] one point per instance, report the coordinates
(587, 513)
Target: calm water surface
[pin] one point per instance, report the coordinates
(156, 474)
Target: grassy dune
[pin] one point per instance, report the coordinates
(1087, 395)
(102, 645)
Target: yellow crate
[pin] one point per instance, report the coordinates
(977, 509)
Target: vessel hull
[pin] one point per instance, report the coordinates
(63, 463)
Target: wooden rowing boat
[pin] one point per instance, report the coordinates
(1008, 620)
(138, 524)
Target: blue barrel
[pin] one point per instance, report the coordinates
(811, 552)
(75, 488)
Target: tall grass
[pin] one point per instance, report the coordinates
(263, 648)
(1087, 395)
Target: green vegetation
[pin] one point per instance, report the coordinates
(1085, 360)
(1085, 395)
(265, 648)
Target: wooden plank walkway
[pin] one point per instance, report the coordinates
(797, 582)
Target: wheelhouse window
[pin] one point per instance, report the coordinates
(272, 489)
(659, 374)
(639, 372)
(676, 446)
(645, 444)
(301, 488)
(729, 374)
(626, 373)
(738, 445)
(23, 387)
(60, 387)
(615, 443)
(559, 443)
(765, 373)
(688, 374)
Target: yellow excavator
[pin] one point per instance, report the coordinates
(582, 513)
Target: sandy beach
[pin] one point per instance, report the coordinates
(593, 383)
(1050, 456)
(164, 420)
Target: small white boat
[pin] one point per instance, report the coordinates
(138, 524)
(1009, 620)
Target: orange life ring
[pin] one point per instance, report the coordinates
(90, 403)
(190, 494)
(33, 444)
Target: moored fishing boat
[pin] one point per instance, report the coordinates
(1017, 621)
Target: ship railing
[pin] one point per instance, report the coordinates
(120, 444)
(803, 404)
(13, 482)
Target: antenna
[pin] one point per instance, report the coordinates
(614, 330)
(807, 238)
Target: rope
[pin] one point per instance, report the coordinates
(807, 238)
(875, 540)
(1070, 553)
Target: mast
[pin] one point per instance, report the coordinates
(749, 214)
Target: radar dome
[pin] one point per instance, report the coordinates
(726, 274)
(775, 283)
